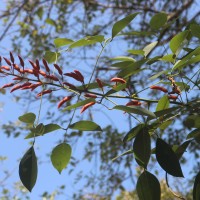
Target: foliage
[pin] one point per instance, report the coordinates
(155, 107)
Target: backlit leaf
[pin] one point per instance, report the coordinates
(118, 26)
(158, 21)
(85, 126)
(60, 156)
(51, 57)
(28, 118)
(59, 42)
(163, 103)
(149, 48)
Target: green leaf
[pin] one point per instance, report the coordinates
(51, 57)
(163, 103)
(168, 58)
(177, 41)
(135, 110)
(41, 130)
(123, 154)
(132, 69)
(116, 89)
(148, 187)
(28, 169)
(50, 22)
(165, 111)
(80, 103)
(118, 26)
(28, 118)
(195, 29)
(59, 42)
(40, 12)
(147, 49)
(165, 124)
(85, 126)
(196, 188)
(142, 147)
(182, 148)
(136, 52)
(89, 40)
(123, 64)
(167, 158)
(60, 156)
(158, 74)
(194, 133)
(158, 21)
(133, 132)
(123, 58)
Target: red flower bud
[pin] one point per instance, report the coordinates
(12, 58)
(7, 61)
(5, 67)
(7, 85)
(44, 92)
(37, 64)
(52, 77)
(99, 82)
(86, 106)
(16, 67)
(46, 65)
(64, 100)
(80, 75)
(155, 87)
(134, 103)
(58, 69)
(17, 78)
(34, 65)
(118, 80)
(33, 86)
(42, 73)
(21, 61)
(173, 97)
(16, 87)
(90, 95)
(74, 75)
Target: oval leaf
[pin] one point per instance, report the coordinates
(148, 187)
(28, 118)
(163, 103)
(142, 147)
(28, 169)
(85, 126)
(136, 110)
(196, 188)
(177, 41)
(60, 156)
(118, 26)
(59, 42)
(158, 20)
(167, 158)
(51, 57)
(149, 48)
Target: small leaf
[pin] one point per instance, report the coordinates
(168, 159)
(60, 156)
(51, 57)
(158, 74)
(123, 154)
(28, 118)
(118, 26)
(182, 148)
(133, 132)
(142, 147)
(195, 29)
(136, 52)
(148, 187)
(40, 12)
(177, 41)
(80, 103)
(122, 64)
(196, 188)
(50, 22)
(85, 126)
(59, 42)
(149, 48)
(163, 103)
(28, 169)
(136, 110)
(158, 21)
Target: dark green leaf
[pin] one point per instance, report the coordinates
(196, 188)
(182, 148)
(142, 147)
(135, 110)
(165, 111)
(133, 132)
(59, 42)
(195, 29)
(158, 21)
(60, 156)
(123, 154)
(148, 187)
(40, 12)
(118, 26)
(28, 118)
(28, 169)
(85, 126)
(167, 158)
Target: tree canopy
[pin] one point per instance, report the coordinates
(84, 66)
